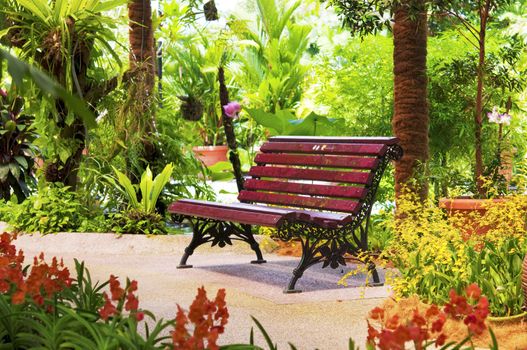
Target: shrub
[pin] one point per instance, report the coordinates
(53, 209)
(433, 254)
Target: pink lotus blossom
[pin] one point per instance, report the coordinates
(232, 109)
(3, 93)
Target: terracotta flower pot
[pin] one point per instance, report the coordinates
(211, 155)
(469, 210)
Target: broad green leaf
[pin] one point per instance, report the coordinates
(126, 184)
(159, 183)
(4, 172)
(15, 170)
(22, 161)
(146, 186)
(19, 70)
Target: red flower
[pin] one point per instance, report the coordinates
(139, 316)
(132, 303)
(108, 309)
(18, 297)
(115, 288)
(440, 341)
(377, 314)
(473, 291)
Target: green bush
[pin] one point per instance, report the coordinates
(53, 209)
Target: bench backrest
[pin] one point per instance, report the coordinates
(324, 173)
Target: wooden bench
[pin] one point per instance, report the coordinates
(319, 190)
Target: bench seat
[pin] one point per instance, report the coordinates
(252, 214)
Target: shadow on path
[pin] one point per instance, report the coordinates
(278, 273)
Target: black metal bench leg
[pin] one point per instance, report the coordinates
(249, 238)
(372, 269)
(308, 259)
(197, 240)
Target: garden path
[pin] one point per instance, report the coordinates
(324, 316)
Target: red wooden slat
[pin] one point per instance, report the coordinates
(335, 139)
(346, 206)
(312, 174)
(318, 160)
(306, 188)
(286, 212)
(325, 148)
(225, 214)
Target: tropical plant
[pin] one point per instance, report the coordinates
(63, 38)
(283, 122)
(271, 68)
(140, 216)
(54, 208)
(16, 148)
(149, 188)
(475, 19)
(193, 81)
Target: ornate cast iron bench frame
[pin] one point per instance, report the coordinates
(339, 223)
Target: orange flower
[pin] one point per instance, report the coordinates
(208, 318)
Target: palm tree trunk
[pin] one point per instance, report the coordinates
(410, 120)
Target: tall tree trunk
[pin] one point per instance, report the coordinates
(142, 75)
(410, 120)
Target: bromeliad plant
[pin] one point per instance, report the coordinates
(17, 152)
(140, 216)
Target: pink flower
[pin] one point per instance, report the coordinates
(231, 109)
(505, 119)
(494, 116)
(3, 93)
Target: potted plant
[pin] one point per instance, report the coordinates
(494, 181)
(195, 83)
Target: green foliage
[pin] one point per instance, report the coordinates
(149, 188)
(435, 254)
(136, 221)
(53, 208)
(363, 17)
(354, 81)
(271, 70)
(140, 216)
(20, 70)
(284, 122)
(16, 148)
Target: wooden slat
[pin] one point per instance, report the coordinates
(346, 206)
(312, 174)
(227, 214)
(287, 213)
(325, 148)
(335, 139)
(306, 188)
(318, 161)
